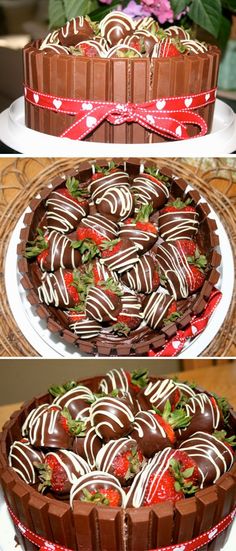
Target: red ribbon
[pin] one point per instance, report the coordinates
(196, 543)
(196, 326)
(165, 116)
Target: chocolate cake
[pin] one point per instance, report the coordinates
(119, 284)
(143, 487)
(118, 60)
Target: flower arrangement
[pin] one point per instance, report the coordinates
(214, 16)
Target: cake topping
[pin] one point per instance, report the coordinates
(130, 316)
(88, 446)
(77, 401)
(53, 251)
(85, 328)
(60, 470)
(89, 48)
(116, 26)
(157, 309)
(169, 47)
(139, 229)
(119, 255)
(74, 31)
(178, 220)
(66, 206)
(116, 201)
(121, 458)
(158, 392)
(105, 178)
(143, 277)
(22, 458)
(60, 289)
(111, 417)
(205, 415)
(103, 302)
(99, 488)
(147, 188)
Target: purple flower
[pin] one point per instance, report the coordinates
(161, 9)
(106, 1)
(136, 10)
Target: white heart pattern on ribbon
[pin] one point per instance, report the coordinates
(188, 101)
(21, 528)
(36, 98)
(57, 103)
(194, 330)
(179, 548)
(150, 119)
(160, 104)
(207, 97)
(212, 533)
(178, 131)
(87, 106)
(176, 344)
(90, 121)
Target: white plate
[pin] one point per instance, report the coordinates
(14, 133)
(7, 535)
(49, 345)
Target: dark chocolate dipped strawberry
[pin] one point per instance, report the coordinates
(166, 477)
(139, 229)
(62, 289)
(156, 393)
(105, 178)
(77, 29)
(66, 206)
(212, 455)
(116, 202)
(111, 417)
(168, 47)
(77, 401)
(89, 48)
(54, 428)
(85, 328)
(150, 187)
(103, 302)
(116, 26)
(154, 431)
(147, 23)
(205, 414)
(53, 251)
(130, 316)
(92, 232)
(119, 255)
(158, 309)
(121, 458)
(143, 276)
(177, 32)
(98, 488)
(60, 470)
(88, 446)
(32, 417)
(22, 457)
(181, 275)
(178, 220)
(124, 380)
(142, 40)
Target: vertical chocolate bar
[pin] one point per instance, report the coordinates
(120, 92)
(226, 493)
(161, 524)
(84, 517)
(110, 521)
(161, 86)
(21, 497)
(139, 93)
(38, 510)
(184, 520)
(138, 526)
(60, 519)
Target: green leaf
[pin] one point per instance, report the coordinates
(223, 36)
(56, 14)
(73, 8)
(101, 12)
(206, 14)
(229, 4)
(179, 5)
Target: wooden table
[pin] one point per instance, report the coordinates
(220, 379)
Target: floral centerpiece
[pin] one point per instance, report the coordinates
(214, 16)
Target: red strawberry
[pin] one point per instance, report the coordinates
(186, 247)
(111, 247)
(38, 247)
(221, 435)
(87, 50)
(195, 279)
(104, 171)
(178, 204)
(127, 464)
(188, 466)
(161, 488)
(69, 280)
(74, 316)
(103, 496)
(137, 379)
(172, 315)
(74, 192)
(141, 221)
(73, 427)
(170, 48)
(171, 420)
(52, 475)
(90, 234)
(125, 324)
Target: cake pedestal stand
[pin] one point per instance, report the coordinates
(15, 134)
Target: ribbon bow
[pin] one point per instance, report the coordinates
(166, 116)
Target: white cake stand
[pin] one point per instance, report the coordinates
(15, 134)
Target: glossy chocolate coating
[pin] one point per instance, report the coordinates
(157, 393)
(72, 465)
(60, 254)
(149, 433)
(116, 202)
(156, 309)
(147, 191)
(115, 27)
(88, 446)
(93, 482)
(104, 226)
(141, 277)
(175, 269)
(143, 239)
(74, 31)
(123, 259)
(86, 328)
(47, 431)
(131, 308)
(179, 224)
(22, 457)
(177, 32)
(53, 290)
(98, 186)
(111, 417)
(102, 306)
(212, 456)
(109, 454)
(114, 379)
(206, 416)
(77, 401)
(64, 213)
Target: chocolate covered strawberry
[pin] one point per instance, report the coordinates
(92, 232)
(103, 302)
(98, 488)
(151, 187)
(89, 48)
(105, 178)
(111, 417)
(143, 277)
(205, 414)
(76, 400)
(60, 470)
(178, 220)
(53, 427)
(156, 393)
(119, 255)
(63, 289)
(124, 51)
(66, 206)
(130, 316)
(53, 251)
(124, 380)
(139, 229)
(121, 458)
(22, 458)
(168, 47)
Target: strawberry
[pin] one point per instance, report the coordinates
(156, 176)
(125, 324)
(178, 204)
(104, 171)
(221, 435)
(71, 288)
(170, 48)
(195, 279)
(111, 247)
(87, 50)
(137, 379)
(102, 496)
(160, 488)
(187, 247)
(170, 420)
(59, 469)
(38, 247)
(126, 465)
(74, 192)
(59, 390)
(172, 315)
(74, 316)
(189, 467)
(71, 426)
(141, 221)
